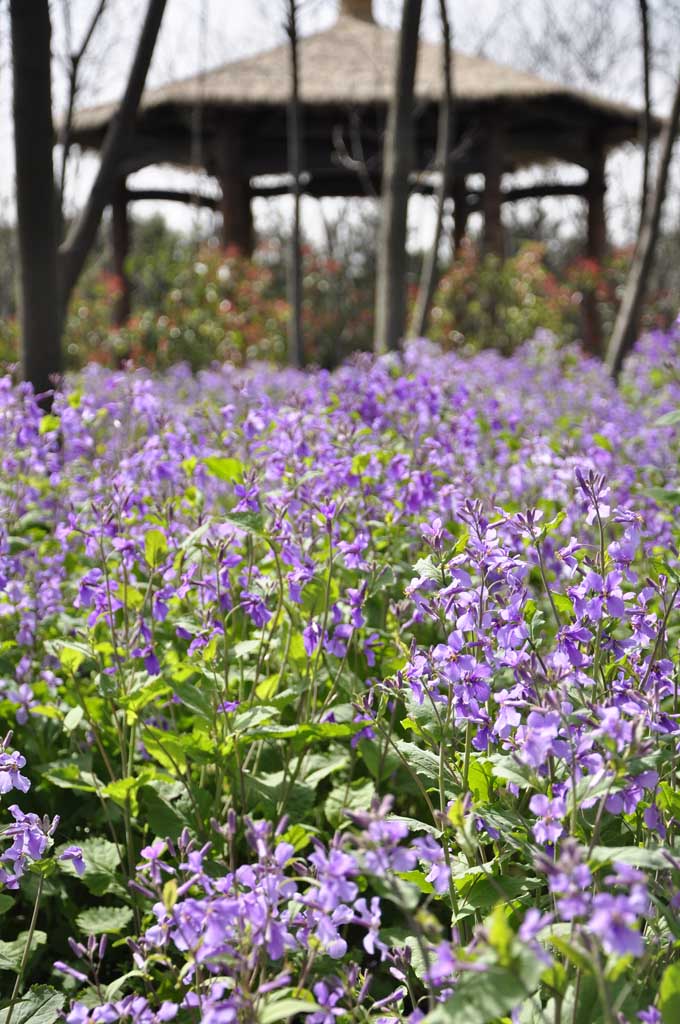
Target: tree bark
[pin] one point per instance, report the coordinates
(645, 134)
(296, 350)
(628, 317)
(445, 135)
(390, 306)
(73, 252)
(37, 212)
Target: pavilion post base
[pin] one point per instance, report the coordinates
(493, 241)
(237, 219)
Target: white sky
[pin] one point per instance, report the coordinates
(564, 43)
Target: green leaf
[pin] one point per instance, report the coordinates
(48, 423)
(40, 1005)
(251, 522)
(651, 858)
(11, 953)
(155, 548)
(426, 569)
(104, 920)
(162, 817)
(663, 495)
(71, 655)
(669, 994)
(501, 935)
(480, 780)
(224, 468)
(482, 998)
(73, 718)
(5, 903)
(192, 698)
(669, 419)
(101, 862)
(281, 1009)
(603, 442)
(564, 604)
(355, 797)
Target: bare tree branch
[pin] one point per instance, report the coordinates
(627, 320)
(74, 65)
(73, 252)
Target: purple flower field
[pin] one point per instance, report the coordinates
(343, 697)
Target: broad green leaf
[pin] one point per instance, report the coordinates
(652, 858)
(40, 1005)
(482, 998)
(564, 604)
(224, 468)
(251, 522)
(281, 1009)
(102, 859)
(12, 952)
(155, 548)
(73, 718)
(426, 569)
(104, 920)
(669, 994)
(501, 935)
(71, 655)
(669, 419)
(355, 797)
(48, 423)
(480, 780)
(603, 442)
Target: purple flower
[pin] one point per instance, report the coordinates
(10, 772)
(75, 855)
(614, 920)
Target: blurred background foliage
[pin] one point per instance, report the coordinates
(194, 302)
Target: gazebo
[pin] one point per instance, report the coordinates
(505, 120)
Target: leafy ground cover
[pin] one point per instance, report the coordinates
(343, 697)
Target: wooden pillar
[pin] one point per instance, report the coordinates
(460, 212)
(491, 201)
(120, 241)
(596, 245)
(237, 219)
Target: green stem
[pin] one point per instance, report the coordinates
(26, 953)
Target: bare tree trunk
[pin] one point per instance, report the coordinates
(390, 304)
(36, 199)
(627, 320)
(74, 250)
(445, 135)
(645, 135)
(296, 352)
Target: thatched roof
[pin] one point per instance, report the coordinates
(350, 67)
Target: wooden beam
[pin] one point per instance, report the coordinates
(120, 239)
(596, 245)
(171, 195)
